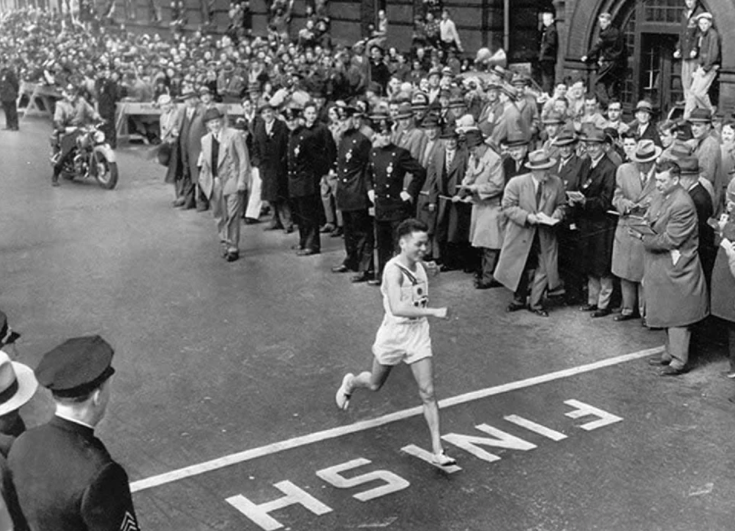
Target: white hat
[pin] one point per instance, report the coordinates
(17, 384)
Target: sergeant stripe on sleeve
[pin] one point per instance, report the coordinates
(129, 523)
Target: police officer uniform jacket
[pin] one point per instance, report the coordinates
(352, 162)
(386, 171)
(67, 481)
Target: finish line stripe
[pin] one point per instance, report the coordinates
(296, 442)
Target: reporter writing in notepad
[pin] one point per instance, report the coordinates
(675, 289)
(532, 202)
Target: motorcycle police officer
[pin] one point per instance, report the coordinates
(393, 201)
(72, 113)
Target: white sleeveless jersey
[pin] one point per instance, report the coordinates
(414, 288)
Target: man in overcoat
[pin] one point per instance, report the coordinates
(190, 145)
(484, 181)
(635, 187)
(225, 170)
(9, 88)
(270, 156)
(676, 293)
(596, 226)
(353, 155)
(530, 247)
(426, 211)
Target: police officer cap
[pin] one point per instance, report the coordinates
(76, 367)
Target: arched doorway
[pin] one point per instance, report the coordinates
(651, 29)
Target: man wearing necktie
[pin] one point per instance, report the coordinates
(225, 168)
(634, 189)
(530, 245)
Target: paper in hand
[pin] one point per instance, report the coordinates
(675, 255)
(545, 219)
(575, 196)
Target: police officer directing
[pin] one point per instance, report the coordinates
(63, 474)
(387, 169)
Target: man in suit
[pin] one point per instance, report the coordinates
(530, 246)
(635, 187)
(689, 181)
(409, 137)
(707, 150)
(353, 155)
(270, 156)
(515, 163)
(64, 476)
(642, 126)
(510, 121)
(426, 211)
(387, 191)
(225, 170)
(568, 168)
(676, 292)
(453, 216)
(597, 227)
(548, 51)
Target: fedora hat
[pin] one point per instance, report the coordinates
(449, 132)
(212, 114)
(17, 384)
(689, 166)
(430, 121)
(593, 134)
(679, 149)
(517, 139)
(644, 105)
(457, 102)
(700, 115)
(474, 138)
(8, 336)
(645, 151)
(553, 118)
(404, 111)
(539, 160)
(566, 138)
(434, 72)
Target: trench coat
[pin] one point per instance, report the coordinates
(676, 293)
(519, 200)
(627, 255)
(453, 219)
(422, 203)
(487, 221)
(723, 280)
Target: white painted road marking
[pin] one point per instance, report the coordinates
(304, 440)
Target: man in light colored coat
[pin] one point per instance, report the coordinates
(676, 293)
(530, 244)
(635, 187)
(485, 181)
(225, 170)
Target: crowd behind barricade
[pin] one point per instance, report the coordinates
(555, 197)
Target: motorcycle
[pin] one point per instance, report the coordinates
(91, 156)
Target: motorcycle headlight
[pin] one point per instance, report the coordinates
(99, 137)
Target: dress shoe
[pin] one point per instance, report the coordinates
(297, 247)
(588, 308)
(487, 285)
(672, 371)
(340, 269)
(189, 206)
(445, 268)
(232, 256)
(658, 362)
(601, 312)
(539, 311)
(272, 226)
(306, 252)
(336, 233)
(624, 317)
(202, 208)
(179, 202)
(288, 230)
(374, 282)
(251, 221)
(515, 306)
(361, 277)
(327, 227)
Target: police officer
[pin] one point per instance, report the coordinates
(63, 474)
(388, 166)
(353, 155)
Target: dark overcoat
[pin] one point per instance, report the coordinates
(270, 156)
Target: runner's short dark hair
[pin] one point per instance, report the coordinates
(409, 226)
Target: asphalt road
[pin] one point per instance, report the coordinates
(223, 399)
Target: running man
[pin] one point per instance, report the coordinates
(404, 333)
